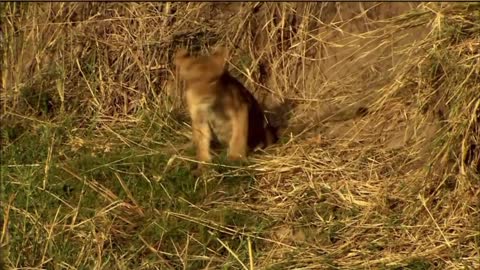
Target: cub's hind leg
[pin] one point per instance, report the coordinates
(237, 148)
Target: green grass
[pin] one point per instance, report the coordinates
(58, 202)
(416, 264)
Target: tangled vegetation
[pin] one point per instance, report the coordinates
(378, 165)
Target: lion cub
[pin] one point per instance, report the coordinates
(221, 108)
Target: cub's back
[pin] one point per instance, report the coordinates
(233, 93)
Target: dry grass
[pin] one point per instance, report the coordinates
(95, 151)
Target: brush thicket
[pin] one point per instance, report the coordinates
(95, 151)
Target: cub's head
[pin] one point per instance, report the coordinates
(203, 68)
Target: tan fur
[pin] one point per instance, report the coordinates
(221, 107)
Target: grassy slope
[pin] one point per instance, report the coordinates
(96, 174)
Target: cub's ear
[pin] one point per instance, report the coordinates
(220, 55)
(221, 51)
(180, 55)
